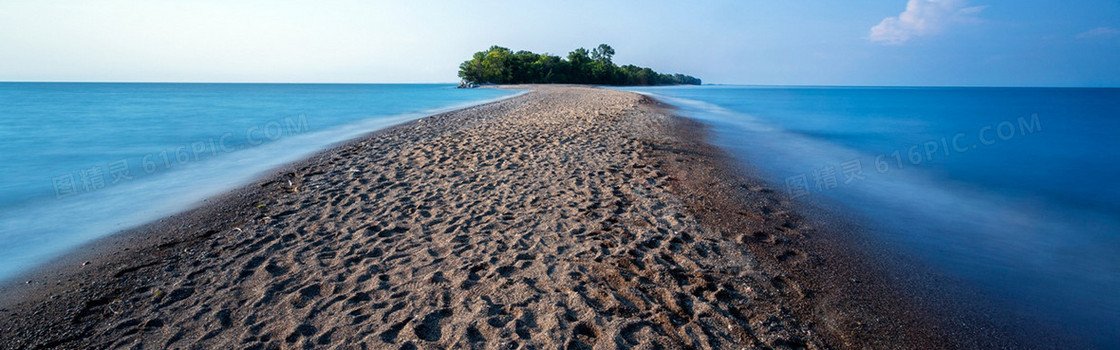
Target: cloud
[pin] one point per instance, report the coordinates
(1099, 32)
(922, 17)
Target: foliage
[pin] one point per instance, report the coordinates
(499, 65)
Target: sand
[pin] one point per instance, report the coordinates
(569, 217)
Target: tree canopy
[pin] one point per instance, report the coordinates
(499, 65)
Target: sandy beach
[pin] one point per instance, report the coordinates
(569, 217)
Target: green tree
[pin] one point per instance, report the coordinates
(551, 69)
(499, 65)
(579, 66)
(603, 53)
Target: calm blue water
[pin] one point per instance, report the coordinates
(80, 161)
(1011, 190)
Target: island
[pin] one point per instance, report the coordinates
(500, 65)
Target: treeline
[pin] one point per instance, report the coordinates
(500, 65)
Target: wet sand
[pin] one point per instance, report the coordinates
(568, 217)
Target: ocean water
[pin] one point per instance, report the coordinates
(1011, 191)
(83, 160)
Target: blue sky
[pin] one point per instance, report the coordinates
(887, 42)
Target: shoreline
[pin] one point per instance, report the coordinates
(180, 184)
(721, 227)
(815, 255)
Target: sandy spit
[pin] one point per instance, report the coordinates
(566, 218)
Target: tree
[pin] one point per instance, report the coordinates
(603, 53)
(496, 65)
(500, 65)
(551, 69)
(579, 66)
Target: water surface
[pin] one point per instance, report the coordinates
(83, 160)
(1010, 190)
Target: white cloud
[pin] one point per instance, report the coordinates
(922, 17)
(1099, 32)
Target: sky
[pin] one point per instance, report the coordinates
(797, 42)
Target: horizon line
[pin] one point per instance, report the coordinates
(449, 82)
